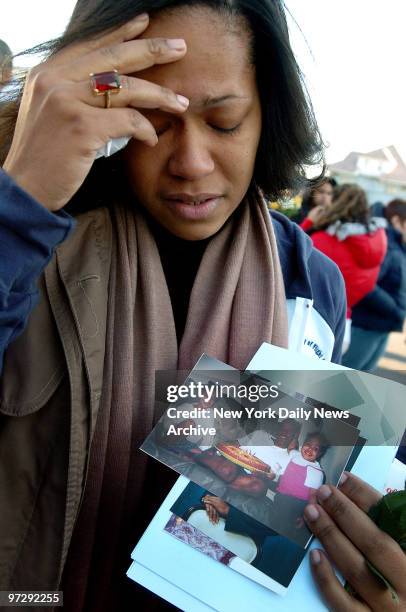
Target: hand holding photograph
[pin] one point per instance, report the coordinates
(265, 466)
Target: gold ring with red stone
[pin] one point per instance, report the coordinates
(105, 84)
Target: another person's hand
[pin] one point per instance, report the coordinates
(62, 124)
(212, 514)
(349, 536)
(316, 214)
(215, 507)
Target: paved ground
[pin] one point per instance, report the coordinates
(393, 363)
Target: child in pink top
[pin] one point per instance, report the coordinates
(303, 472)
(302, 476)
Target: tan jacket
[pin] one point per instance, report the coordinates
(49, 399)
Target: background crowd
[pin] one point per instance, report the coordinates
(368, 243)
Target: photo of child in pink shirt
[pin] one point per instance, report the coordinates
(302, 477)
(303, 472)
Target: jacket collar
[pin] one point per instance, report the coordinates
(395, 237)
(83, 263)
(295, 249)
(74, 294)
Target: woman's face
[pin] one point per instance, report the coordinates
(323, 195)
(202, 166)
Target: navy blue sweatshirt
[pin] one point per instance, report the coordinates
(384, 308)
(28, 236)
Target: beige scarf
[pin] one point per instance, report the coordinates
(237, 302)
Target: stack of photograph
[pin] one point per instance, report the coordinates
(254, 448)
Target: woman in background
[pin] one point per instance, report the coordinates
(345, 232)
(383, 310)
(317, 196)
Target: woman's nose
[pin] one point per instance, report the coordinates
(191, 158)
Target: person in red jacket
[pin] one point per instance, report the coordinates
(353, 239)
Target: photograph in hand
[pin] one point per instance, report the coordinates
(242, 451)
(220, 531)
(203, 521)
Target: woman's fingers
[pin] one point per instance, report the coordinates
(361, 493)
(55, 124)
(347, 558)
(335, 596)
(127, 31)
(377, 546)
(122, 122)
(137, 93)
(127, 58)
(350, 537)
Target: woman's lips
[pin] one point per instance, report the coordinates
(193, 210)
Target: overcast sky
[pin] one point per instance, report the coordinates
(351, 52)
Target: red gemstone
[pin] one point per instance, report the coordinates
(105, 81)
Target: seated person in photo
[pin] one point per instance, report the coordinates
(235, 520)
(278, 557)
(275, 453)
(298, 484)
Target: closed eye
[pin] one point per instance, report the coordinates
(231, 130)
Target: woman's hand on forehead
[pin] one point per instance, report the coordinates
(62, 123)
(118, 50)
